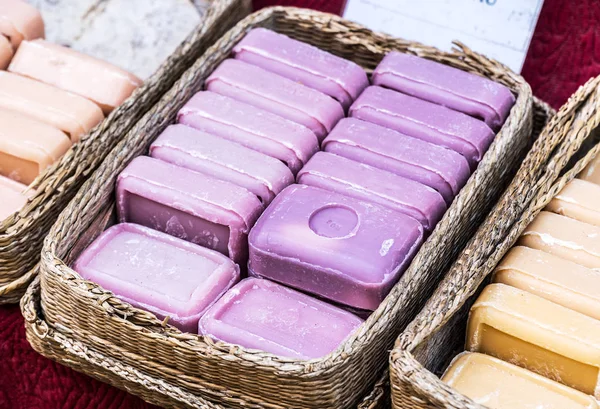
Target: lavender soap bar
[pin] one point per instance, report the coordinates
(439, 168)
(260, 314)
(192, 206)
(441, 84)
(274, 93)
(425, 120)
(345, 250)
(339, 78)
(157, 272)
(363, 182)
(252, 127)
(217, 157)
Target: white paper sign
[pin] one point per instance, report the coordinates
(500, 29)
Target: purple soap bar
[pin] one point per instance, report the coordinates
(259, 314)
(186, 204)
(279, 95)
(255, 128)
(157, 272)
(217, 157)
(439, 168)
(364, 182)
(444, 85)
(303, 63)
(425, 120)
(337, 247)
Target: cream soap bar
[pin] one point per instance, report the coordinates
(579, 200)
(537, 334)
(20, 21)
(591, 173)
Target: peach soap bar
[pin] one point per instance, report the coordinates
(28, 146)
(564, 237)
(591, 173)
(337, 247)
(441, 84)
(6, 52)
(12, 195)
(537, 334)
(157, 272)
(252, 127)
(20, 21)
(579, 200)
(199, 151)
(192, 206)
(500, 385)
(72, 114)
(553, 278)
(259, 314)
(341, 79)
(62, 67)
(274, 93)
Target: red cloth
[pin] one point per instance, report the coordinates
(563, 55)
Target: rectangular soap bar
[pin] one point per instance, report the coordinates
(363, 182)
(13, 197)
(564, 237)
(591, 173)
(157, 272)
(72, 114)
(259, 314)
(192, 206)
(345, 250)
(537, 334)
(96, 80)
(255, 128)
(439, 168)
(499, 385)
(579, 200)
(217, 157)
(20, 21)
(339, 78)
(441, 84)
(6, 52)
(27, 146)
(424, 120)
(553, 278)
(274, 93)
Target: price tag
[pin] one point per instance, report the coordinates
(500, 29)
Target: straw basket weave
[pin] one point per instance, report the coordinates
(231, 375)
(22, 235)
(424, 350)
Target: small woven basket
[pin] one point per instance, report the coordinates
(22, 235)
(437, 334)
(95, 320)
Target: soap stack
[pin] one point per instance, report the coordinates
(49, 98)
(536, 329)
(215, 200)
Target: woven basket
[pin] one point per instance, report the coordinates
(21, 235)
(231, 375)
(429, 343)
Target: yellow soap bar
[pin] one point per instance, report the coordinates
(591, 173)
(553, 278)
(564, 237)
(28, 146)
(536, 334)
(6, 52)
(579, 200)
(72, 114)
(12, 195)
(500, 385)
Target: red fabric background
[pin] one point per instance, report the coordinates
(564, 53)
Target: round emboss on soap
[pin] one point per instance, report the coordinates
(334, 221)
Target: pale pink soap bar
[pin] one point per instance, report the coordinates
(255, 128)
(274, 93)
(424, 120)
(259, 314)
(6, 52)
(339, 78)
(439, 168)
(340, 248)
(20, 21)
(202, 152)
(72, 114)
(12, 195)
(192, 206)
(157, 272)
(96, 80)
(441, 84)
(364, 182)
